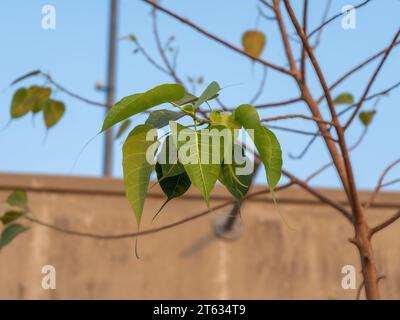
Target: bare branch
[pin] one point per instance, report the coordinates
(324, 19)
(334, 18)
(297, 116)
(371, 81)
(150, 231)
(386, 223)
(380, 184)
(261, 87)
(215, 38)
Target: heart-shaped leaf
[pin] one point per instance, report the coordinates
(209, 93)
(18, 199)
(161, 118)
(253, 42)
(11, 216)
(52, 112)
(366, 117)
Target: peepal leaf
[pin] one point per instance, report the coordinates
(253, 42)
(37, 97)
(19, 104)
(210, 92)
(168, 158)
(175, 186)
(265, 141)
(203, 174)
(10, 232)
(344, 98)
(52, 112)
(18, 199)
(232, 178)
(136, 168)
(11, 216)
(161, 118)
(140, 102)
(366, 117)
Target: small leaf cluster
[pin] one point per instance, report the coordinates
(17, 207)
(176, 176)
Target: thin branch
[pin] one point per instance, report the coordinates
(303, 132)
(149, 231)
(389, 183)
(215, 38)
(334, 18)
(324, 19)
(319, 195)
(380, 183)
(303, 51)
(356, 68)
(277, 104)
(386, 223)
(261, 86)
(72, 94)
(297, 116)
(168, 65)
(371, 81)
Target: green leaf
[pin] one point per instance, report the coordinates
(218, 118)
(168, 158)
(136, 168)
(140, 102)
(52, 112)
(237, 184)
(11, 216)
(203, 173)
(161, 118)
(187, 98)
(366, 117)
(10, 232)
(19, 104)
(122, 128)
(210, 92)
(344, 98)
(265, 141)
(18, 199)
(175, 186)
(25, 76)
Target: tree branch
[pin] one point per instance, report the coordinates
(215, 38)
(386, 223)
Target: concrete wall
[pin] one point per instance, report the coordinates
(269, 260)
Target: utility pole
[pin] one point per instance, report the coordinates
(110, 89)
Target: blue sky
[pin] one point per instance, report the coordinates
(75, 55)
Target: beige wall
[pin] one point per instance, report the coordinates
(270, 260)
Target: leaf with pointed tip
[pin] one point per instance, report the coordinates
(168, 158)
(38, 97)
(25, 76)
(186, 99)
(210, 92)
(136, 168)
(10, 232)
(265, 141)
(366, 117)
(122, 128)
(19, 104)
(253, 42)
(52, 112)
(18, 199)
(236, 183)
(203, 173)
(161, 118)
(140, 102)
(11, 216)
(344, 98)
(173, 186)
